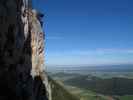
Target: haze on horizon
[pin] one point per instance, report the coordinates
(87, 32)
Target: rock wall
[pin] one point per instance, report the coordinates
(22, 76)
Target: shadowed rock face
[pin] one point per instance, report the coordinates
(21, 53)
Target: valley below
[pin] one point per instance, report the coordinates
(96, 84)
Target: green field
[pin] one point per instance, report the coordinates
(126, 98)
(85, 95)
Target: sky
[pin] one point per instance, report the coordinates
(87, 32)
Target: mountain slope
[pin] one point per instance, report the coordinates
(59, 93)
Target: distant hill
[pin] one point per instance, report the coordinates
(86, 69)
(60, 93)
(62, 74)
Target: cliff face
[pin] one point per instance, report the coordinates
(22, 76)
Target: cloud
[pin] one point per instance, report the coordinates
(101, 51)
(54, 37)
(91, 57)
(111, 50)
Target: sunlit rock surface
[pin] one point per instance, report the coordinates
(22, 76)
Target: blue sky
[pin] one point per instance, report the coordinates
(87, 32)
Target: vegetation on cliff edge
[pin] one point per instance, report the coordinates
(60, 93)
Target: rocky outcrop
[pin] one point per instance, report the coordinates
(22, 74)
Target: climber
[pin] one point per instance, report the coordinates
(40, 16)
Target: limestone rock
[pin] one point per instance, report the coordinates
(22, 76)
